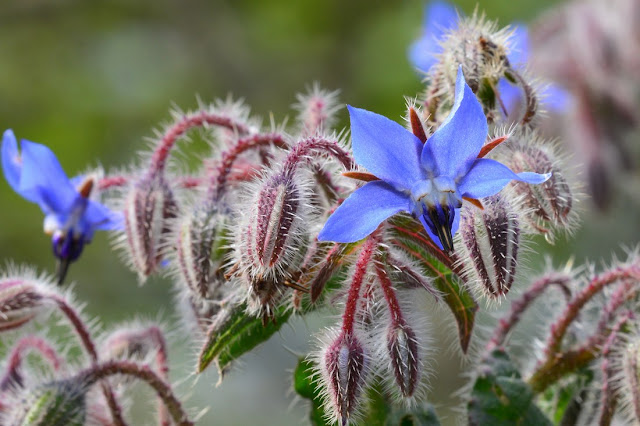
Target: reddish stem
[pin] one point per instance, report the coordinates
(519, 307)
(301, 152)
(220, 174)
(12, 375)
(397, 319)
(163, 389)
(185, 123)
(89, 346)
(111, 181)
(349, 315)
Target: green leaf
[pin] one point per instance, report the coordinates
(304, 386)
(411, 237)
(420, 415)
(235, 332)
(500, 396)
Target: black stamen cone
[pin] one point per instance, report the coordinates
(440, 221)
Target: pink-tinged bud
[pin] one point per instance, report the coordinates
(403, 350)
(550, 205)
(345, 370)
(267, 243)
(197, 234)
(629, 382)
(316, 110)
(149, 206)
(20, 301)
(491, 238)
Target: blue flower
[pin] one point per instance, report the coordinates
(441, 17)
(71, 217)
(427, 180)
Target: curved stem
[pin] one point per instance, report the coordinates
(302, 150)
(146, 374)
(89, 346)
(185, 123)
(397, 319)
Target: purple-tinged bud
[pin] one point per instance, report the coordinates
(550, 205)
(149, 205)
(629, 382)
(316, 110)
(403, 351)
(491, 238)
(20, 301)
(268, 242)
(344, 365)
(198, 237)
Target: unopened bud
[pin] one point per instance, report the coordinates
(549, 205)
(491, 238)
(56, 403)
(629, 377)
(345, 370)
(148, 207)
(403, 350)
(267, 242)
(20, 301)
(197, 235)
(316, 110)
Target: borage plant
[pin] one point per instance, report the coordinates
(278, 223)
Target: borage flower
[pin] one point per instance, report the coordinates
(427, 180)
(71, 216)
(441, 17)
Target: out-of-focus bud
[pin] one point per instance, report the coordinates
(149, 205)
(268, 243)
(549, 207)
(316, 110)
(491, 238)
(199, 236)
(628, 379)
(403, 351)
(57, 403)
(21, 300)
(344, 366)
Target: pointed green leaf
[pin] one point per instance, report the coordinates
(500, 396)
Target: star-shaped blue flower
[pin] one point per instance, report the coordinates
(71, 216)
(441, 17)
(427, 180)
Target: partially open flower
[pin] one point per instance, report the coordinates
(72, 215)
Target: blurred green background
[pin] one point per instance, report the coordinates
(91, 79)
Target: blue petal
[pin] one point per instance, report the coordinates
(11, 162)
(487, 177)
(519, 54)
(361, 213)
(510, 94)
(439, 18)
(100, 217)
(385, 148)
(454, 228)
(556, 98)
(453, 148)
(43, 181)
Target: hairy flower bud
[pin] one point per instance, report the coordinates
(149, 204)
(268, 242)
(550, 205)
(316, 109)
(403, 351)
(344, 366)
(629, 381)
(55, 403)
(491, 238)
(20, 301)
(197, 240)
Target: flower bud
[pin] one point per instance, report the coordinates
(403, 351)
(344, 367)
(629, 382)
(491, 238)
(55, 403)
(197, 233)
(316, 110)
(549, 205)
(20, 302)
(149, 205)
(267, 245)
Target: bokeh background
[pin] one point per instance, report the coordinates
(91, 79)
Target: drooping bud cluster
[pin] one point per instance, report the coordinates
(21, 300)
(591, 47)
